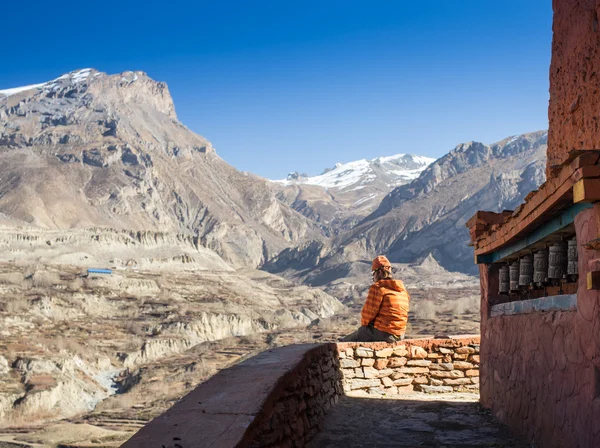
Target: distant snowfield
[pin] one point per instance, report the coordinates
(14, 91)
(75, 76)
(400, 169)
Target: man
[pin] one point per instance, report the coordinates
(385, 312)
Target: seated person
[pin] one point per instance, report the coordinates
(385, 313)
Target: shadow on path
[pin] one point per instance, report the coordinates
(415, 420)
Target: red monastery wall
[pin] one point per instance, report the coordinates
(540, 371)
(574, 79)
(540, 335)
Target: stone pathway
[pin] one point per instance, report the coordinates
(414, 420)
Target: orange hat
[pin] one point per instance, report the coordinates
(381, 262)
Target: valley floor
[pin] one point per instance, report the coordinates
(87, 362)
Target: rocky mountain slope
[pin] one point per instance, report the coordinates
(428, 216)
(88, 149)
(343, 195)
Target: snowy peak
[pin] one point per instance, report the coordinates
(390, 171)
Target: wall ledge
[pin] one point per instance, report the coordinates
(566, 302)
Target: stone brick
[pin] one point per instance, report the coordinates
(420, 380)
(400, 351)
(358, 372)
(435, 382)
(442, 366)
(387, 382)
(418, 363)
(418, 352)
(475, 359)
(445, 351)
(396, 362)
(384, 353)
(376, 391)
(342, 354)
(413, 370)
(462, 357)
(364, 384)
(381, 364)
(349, 363)
(447, 374)
(463, 365)
(391, 390)
(447, 358)
(436, 389)
(349, 353)
(463, 350)
(403, 381)
(456, 381)
(475, 380)
(433, 356)
(367, 362)
(473, 372)
(362, 352)
(370, 372)
(405, 389)
(349, 374)
(397, 375)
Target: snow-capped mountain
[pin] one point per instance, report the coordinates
(343, 195)
(387, 172)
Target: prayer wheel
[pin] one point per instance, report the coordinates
(526, 270)
(504, 280)
(572, 257)
(513, 272)
(540, 266)
(557, 261)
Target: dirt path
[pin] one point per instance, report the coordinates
(415, 420)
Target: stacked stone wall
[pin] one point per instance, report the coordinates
(424, 365)
(277, 398)
(298, 412)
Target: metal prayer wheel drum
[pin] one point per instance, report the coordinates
(513, 273)
(572, 257)
(526, 270)
(504, 280)
(557, 260)
(540, 266)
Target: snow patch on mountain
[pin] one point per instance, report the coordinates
(395, 170)
(76, 76)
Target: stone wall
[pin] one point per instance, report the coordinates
(540, 370)
(277, 398)
(426, 365)
(574, 79)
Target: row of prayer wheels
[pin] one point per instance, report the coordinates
(544, 267)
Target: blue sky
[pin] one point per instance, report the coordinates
(281, 86)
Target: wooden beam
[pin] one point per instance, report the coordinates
(593, 280)
(586, 190)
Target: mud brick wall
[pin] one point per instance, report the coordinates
(540, 371)
(425, 365)
(574, 110)
(277, 398)
(300, 407)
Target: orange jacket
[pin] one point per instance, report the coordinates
(387, 306)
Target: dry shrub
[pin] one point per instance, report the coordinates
(464, 305)
(45, 279)
(68, 344)
(12, 278)
(15, 306)
(135, 327)
(75, 285)
(424, 309)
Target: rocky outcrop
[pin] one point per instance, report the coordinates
(88, 149)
